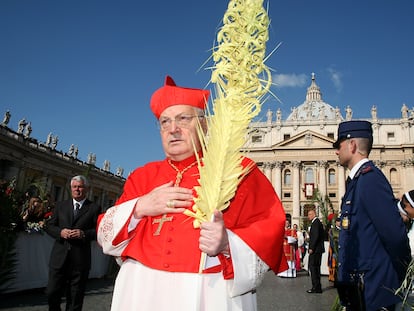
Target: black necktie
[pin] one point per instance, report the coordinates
(348, 180)
(77, 208)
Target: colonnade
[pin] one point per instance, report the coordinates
(275, 171)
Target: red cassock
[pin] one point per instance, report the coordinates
(288, 246)
(255, 215)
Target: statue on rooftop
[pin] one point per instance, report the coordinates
(91, 158)
(106, 166)
(54, 142)
(6, 118)
(49, 139)
(269, 116)
(28, 130)
(278, 115)
(404, 111)
(337, 113)
(374, 112)
(348, 113)
(71, 150)
(119, 171)
(22, 125)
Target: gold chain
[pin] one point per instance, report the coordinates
(180, 173)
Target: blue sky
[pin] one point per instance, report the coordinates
(85, 69)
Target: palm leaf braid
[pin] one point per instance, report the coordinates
(241, 80)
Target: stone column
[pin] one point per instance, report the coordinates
(407, 175)
(21, 176)
(277, 178)
(322, 178)
(341, 181)
(103, 199)
(296, 192)
(375, 132)
(49, 183)
(67, 194)
(382, 165)
(267, 167)
(91, 191)
(405, 125)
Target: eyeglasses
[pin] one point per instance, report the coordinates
(181, 120)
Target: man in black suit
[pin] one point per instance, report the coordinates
(316, 248)
(73, 226)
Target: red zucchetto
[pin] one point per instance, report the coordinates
(171, 94)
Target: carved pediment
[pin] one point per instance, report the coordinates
(306, 139)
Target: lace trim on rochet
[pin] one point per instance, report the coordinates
(107, 225)
(261, 269)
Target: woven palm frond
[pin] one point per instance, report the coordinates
(241, 80)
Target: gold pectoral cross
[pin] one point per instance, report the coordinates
(178, 179)
(160, 222)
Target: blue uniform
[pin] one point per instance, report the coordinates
(373, 243)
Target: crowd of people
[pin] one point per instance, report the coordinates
(34, 212)
(291, 250)
(296, 244)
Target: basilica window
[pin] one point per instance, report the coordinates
(394, 179)
(257, 139)
(331, 177)
(309, 177)
(391, 136)
(287, 177)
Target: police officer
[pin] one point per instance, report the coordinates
(373, 245)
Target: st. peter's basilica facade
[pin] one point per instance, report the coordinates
(297, 156)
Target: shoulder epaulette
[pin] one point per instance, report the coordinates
(366, 169)
(363, 170)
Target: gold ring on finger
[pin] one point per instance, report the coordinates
(171, 204)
